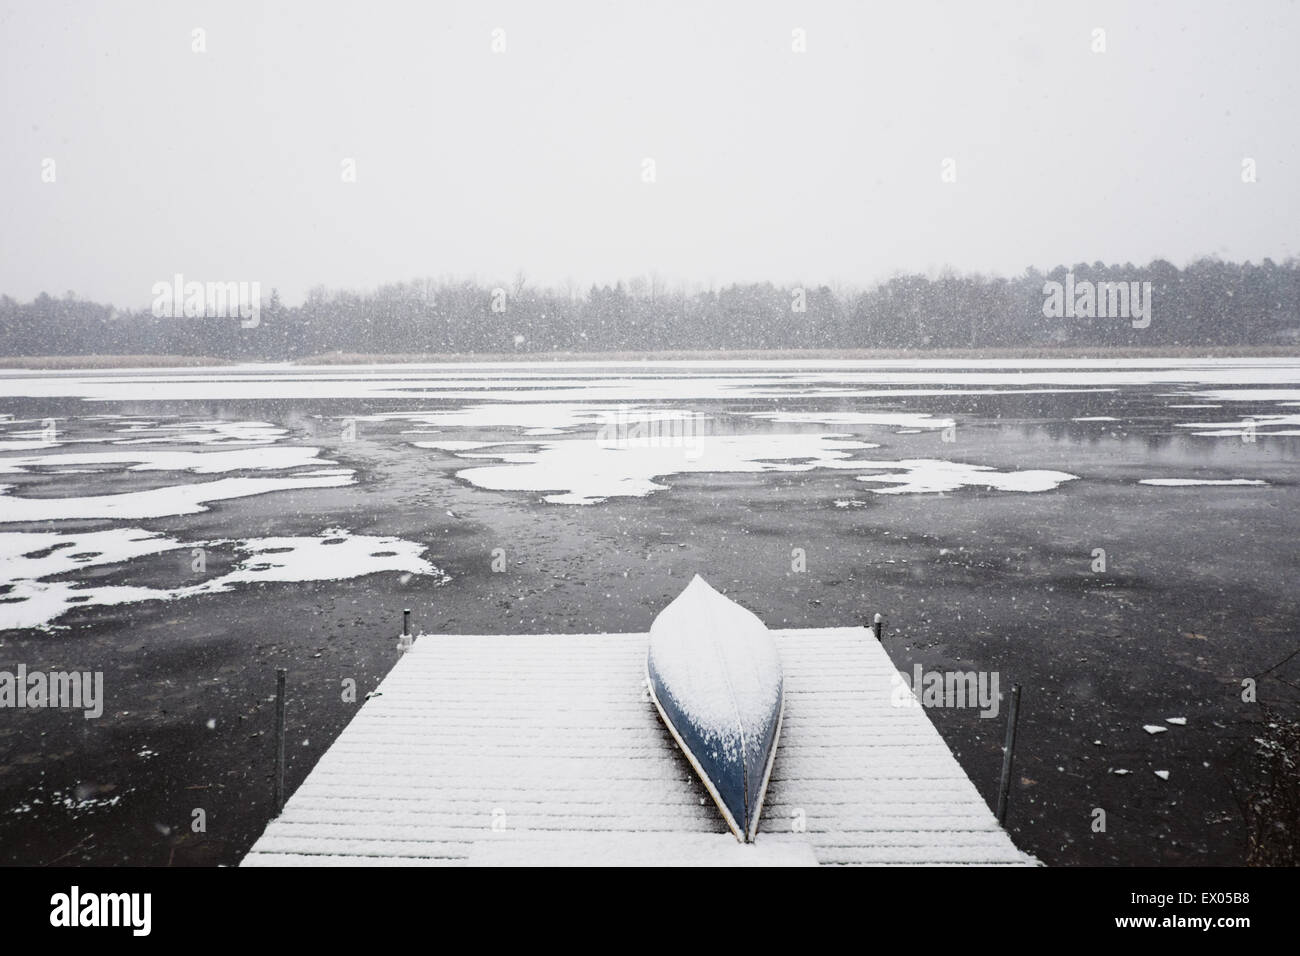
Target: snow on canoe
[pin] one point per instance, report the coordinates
(715, 677)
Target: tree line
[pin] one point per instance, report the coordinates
(1209, 302)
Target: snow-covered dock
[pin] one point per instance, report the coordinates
(547, 749)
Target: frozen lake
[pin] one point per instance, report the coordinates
(140, 511)
(94, 457)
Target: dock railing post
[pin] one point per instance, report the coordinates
(1008, 754)
(406, 640)
(278, 794)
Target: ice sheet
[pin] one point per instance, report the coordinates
(197, 462)
(1188, 482)
(29, 559)
(643, 381)
(160, 502)
(587, 471)
(934, 476)
(912, 420)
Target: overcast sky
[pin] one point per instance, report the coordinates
(821, 166)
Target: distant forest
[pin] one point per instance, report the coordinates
(1210, 302)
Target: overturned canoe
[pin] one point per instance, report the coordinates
(715, 677)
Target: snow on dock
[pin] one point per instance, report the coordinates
(547, 750)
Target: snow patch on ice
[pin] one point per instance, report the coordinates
(541, 419)
(200, 433)
(196, 462)
(575, 471)
(454, 445)
(935, 476)
(1251, 394)
(644, 381)
(578, 471)
(1189, 482)
(160, 502)
(1239, 429)
(911, 420)
(26, 444)
(29, 559)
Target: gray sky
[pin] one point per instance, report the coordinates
(821, 166)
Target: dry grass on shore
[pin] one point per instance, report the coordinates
(1268, 792)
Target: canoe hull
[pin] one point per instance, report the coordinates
(738, 787)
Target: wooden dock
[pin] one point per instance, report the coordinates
(547, 750)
